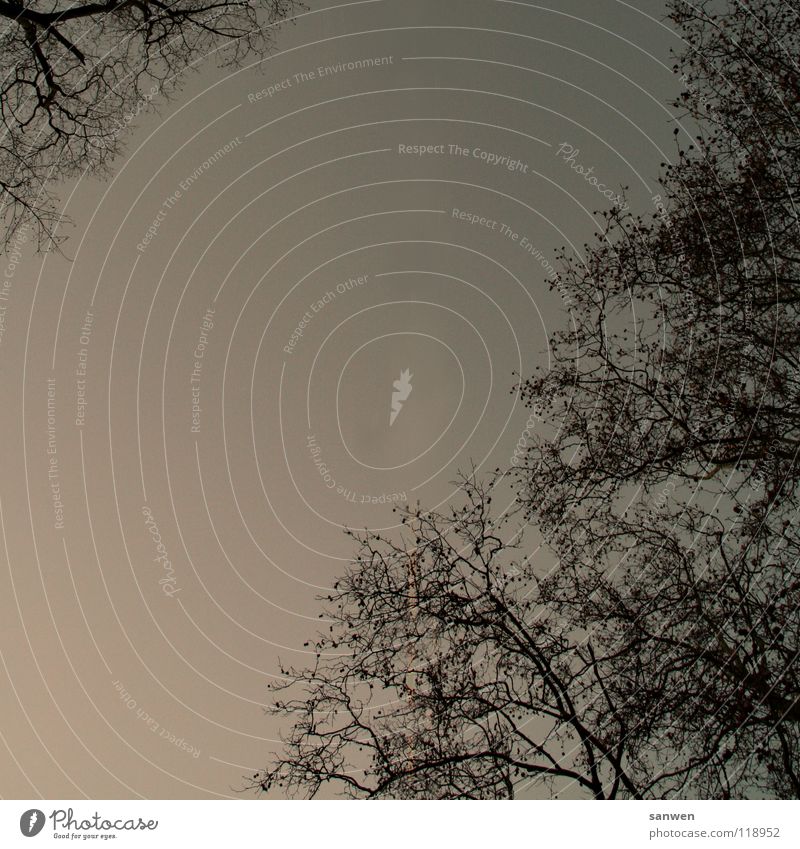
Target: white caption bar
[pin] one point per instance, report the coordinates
(410, 824)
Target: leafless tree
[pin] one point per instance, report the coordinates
(444, 676)
(685, 355)
(671, 473)
(638, 666)
(75, 75)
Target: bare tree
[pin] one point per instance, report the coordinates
(445, 676)
(638, 666)
(672, 475)
(699, 621)
(73, 77)
(685, 355)
(654, 653)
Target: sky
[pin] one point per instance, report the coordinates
(300, 299)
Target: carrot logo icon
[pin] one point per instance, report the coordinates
(31, 822)
(402, 389)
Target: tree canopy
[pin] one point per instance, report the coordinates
(74, 76)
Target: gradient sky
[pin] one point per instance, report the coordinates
(299, 208)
